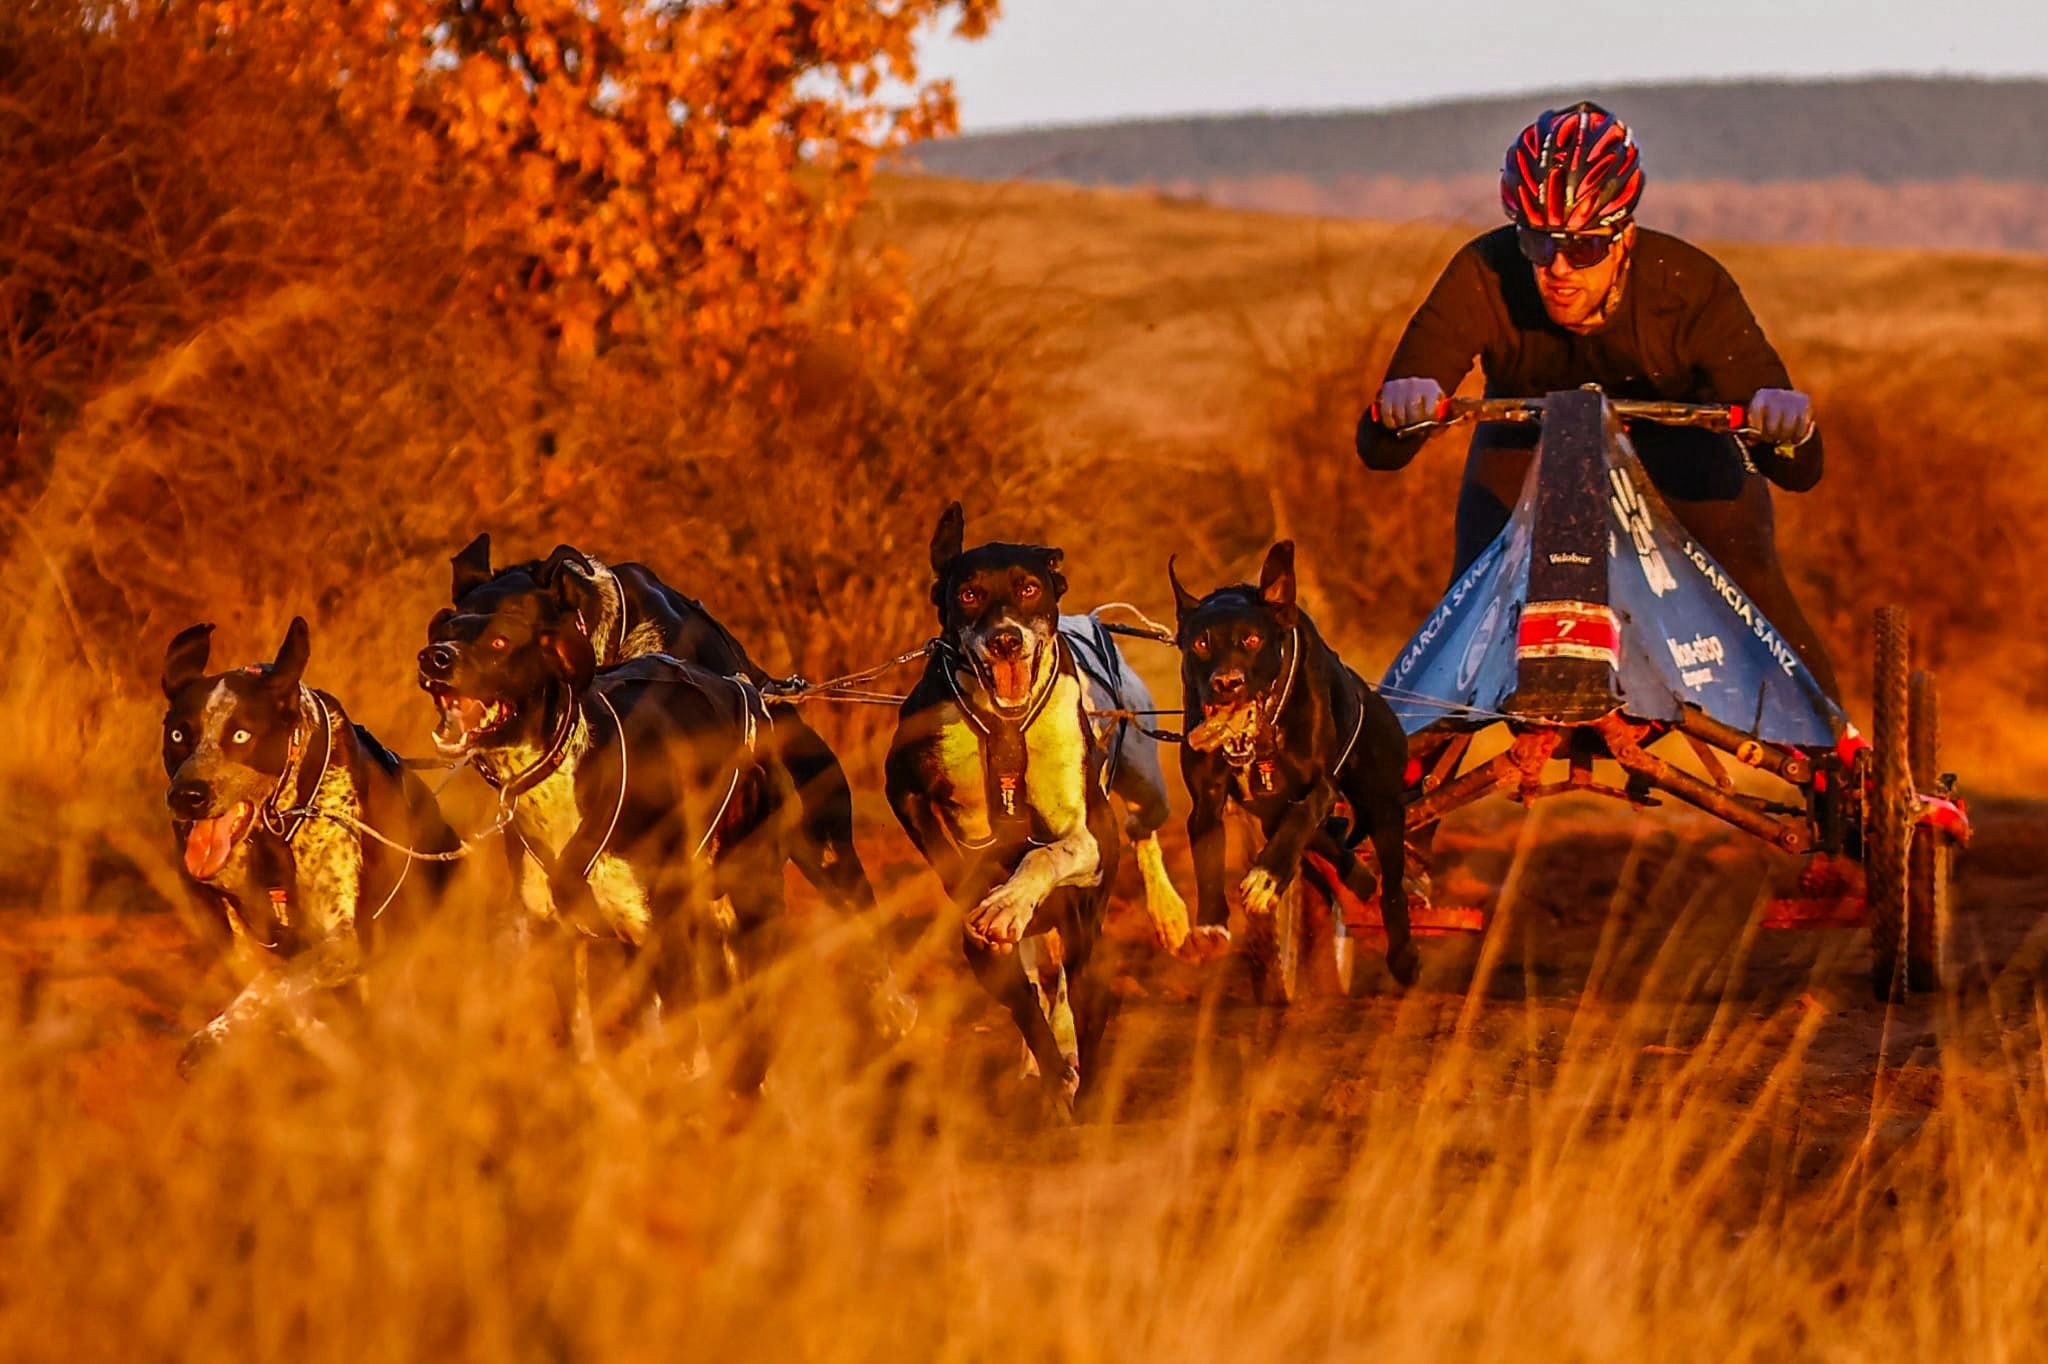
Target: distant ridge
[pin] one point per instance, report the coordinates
(1886, 130)
(1947, 163)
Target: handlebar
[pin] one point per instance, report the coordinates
(1728, 418)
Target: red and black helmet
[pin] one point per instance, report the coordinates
(1573, 170)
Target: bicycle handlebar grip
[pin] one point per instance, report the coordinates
(1443, 408)
(1737, 417)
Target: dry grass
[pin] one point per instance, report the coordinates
(1623, 1126)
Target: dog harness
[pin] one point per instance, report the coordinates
(1102, 663)
(1004, 753)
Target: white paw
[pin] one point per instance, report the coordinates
(1208, 942)
(1003, 914)
(1260, 890)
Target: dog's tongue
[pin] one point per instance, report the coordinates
(212, 841)
(1011, 680)
(459, 717)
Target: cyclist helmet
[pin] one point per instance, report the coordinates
(1573, 170)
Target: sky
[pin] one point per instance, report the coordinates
(1079, 61)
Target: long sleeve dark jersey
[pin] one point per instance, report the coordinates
(1683, 332)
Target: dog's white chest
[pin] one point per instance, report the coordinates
(1056, 749)
(545, 821)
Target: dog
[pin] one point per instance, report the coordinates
(627, 612)
(646, 803)
(268, 780)
(1131, 756)
(995, 774)
(1277, 723)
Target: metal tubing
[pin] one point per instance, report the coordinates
(1621, 742)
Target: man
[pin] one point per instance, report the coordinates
(1572, 292)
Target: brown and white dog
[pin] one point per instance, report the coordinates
(267, 778)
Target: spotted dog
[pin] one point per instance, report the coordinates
(626, 612)
(1131, 758)
(995, 774)
(646, 805)
(263, 770)
(1278, 724)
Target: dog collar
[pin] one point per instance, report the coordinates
(287, 823)
(519, 783)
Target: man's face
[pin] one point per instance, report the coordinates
(1575, 296)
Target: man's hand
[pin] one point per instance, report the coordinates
(1782, 416)
(1409, 402)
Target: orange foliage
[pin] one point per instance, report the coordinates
(647, 166)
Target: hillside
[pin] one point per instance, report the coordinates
(1867, 161)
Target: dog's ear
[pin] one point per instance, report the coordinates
(950, 538)
(1050, 562)
(569, 574)
(186, 658)
(563, 559)
(1184, 601)
(472, 566)
(290, 664)
(567, 654)
(1276, 584)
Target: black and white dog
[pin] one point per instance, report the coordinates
(996, 776)
(1278, 724)
(646, 804)
(267, 780)
(627, 612)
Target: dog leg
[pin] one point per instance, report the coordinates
(1004, 914)
(1001, 972)
(279, 996)
(1404, 963)
(1163, 904)
(1211, 935)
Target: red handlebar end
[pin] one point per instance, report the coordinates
(1372, 414)
(1443, 409)
(1736, 416)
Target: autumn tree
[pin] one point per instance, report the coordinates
(681, 167)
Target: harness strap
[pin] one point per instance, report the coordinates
(1005, 749)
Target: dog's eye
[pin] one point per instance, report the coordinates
(500, 643)
(1252, 640)
(240, 736)
(1201, 646)
(1027, 591)
(970, 596)
(177, 736)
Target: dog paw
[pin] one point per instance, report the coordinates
(1003, 915)
(1208, 942)
(201, 1047)
(1261, 891)
(893, 1012)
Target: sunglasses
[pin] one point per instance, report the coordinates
(1580, 250)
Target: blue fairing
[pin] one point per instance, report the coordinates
(1688, 634)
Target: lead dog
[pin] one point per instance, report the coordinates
(1278, 724)
(626, 612)
(645, 803)
(995, 775)
(262, 772)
